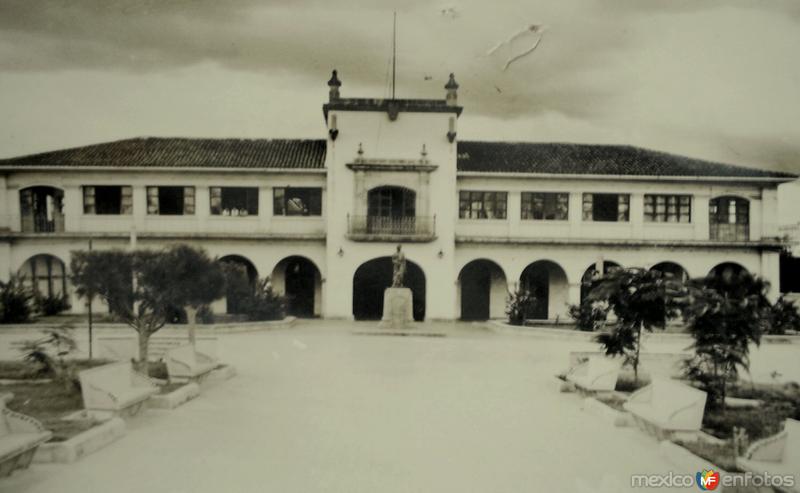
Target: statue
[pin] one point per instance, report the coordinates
(398, 268)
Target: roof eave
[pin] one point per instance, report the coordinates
(587, 176)
(199, 169)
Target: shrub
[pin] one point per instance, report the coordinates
(15, 301)
(589, 315)
(48, 354)
(263, 303)
(52, 304)
(784, 315)
(519, 305)
(205, 315)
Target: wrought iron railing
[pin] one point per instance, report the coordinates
(730, 232)
(391, 226)
(40, 223)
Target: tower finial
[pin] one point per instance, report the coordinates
(452, 91)
(334, 84)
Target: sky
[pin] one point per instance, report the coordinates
(712, 79)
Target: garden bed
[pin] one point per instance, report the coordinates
(22, 370)
(720, 454)
(49, 403)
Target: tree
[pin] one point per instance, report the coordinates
(784, 316)
(519, 305)
(195, 280)
(142, 288)
(641, 300)
(724, 314)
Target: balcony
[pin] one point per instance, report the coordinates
(391, 229)
(729, 232)
(40, 223)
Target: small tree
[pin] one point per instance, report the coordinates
(589, 315)
(264, 303)
(48, 355)
(724, 314)
(195, 280)
(641, 300)
(142, 288)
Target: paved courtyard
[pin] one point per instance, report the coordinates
(319, 408)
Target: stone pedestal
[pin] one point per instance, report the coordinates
(398, 308)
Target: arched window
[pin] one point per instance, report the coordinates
(46, 274)
(729, 219)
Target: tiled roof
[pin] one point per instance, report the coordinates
(184, 153)
(592, 159)
(497, 157)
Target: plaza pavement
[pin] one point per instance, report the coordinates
(318, 408)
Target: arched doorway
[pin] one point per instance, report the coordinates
(46, 275)
(41, 209)
(671, 270)
(240, 276)
(373, 277)
(302, 285)
(591, 274)
(483, 290)
(728, 271)
(547, 281)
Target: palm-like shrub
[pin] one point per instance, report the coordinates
(264, 303)
(519, 305)
(15, 301)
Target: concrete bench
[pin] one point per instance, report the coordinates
(186, 363)
(116, 388)
(20, 436)
(666, 406)
(776, 455)
(595, 374)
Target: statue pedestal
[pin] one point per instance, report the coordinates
(398, 308)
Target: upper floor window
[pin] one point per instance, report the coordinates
(606, 207)
(41, 209)
(290, 201)
(170, 201)
(234, 201)
(668, 208)
(729, 219)
(482, 205)
(545, 206)
(107, 200)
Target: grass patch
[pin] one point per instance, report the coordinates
(169, 388)
(23, 370)
(626, 383)
(718, 454)
(613, 401)
(49, 402)
(779, 402)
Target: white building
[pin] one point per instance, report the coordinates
(322, 216)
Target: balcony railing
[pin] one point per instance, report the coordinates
(40, 223)
(377, 228)
(730, 232)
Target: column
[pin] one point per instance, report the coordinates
(636, 215)
(769, 213)
(574, 293)
(771, 271)
(575, 214)
(73, 208)
(700, 215)
(265, 208)
(139, 207)
(360, 194)
(514, 212)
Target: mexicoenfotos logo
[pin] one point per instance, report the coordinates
(707, 479)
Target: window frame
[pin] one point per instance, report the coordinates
(623, 211)
(188, 200)
(280, 202)
(663, 206)
(528, 206)
(472, 205)
(90, 200)
(250, 199)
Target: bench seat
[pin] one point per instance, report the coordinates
(595, 374)
(186, 363)
(20, 436)
(666, 406)
(115, 387)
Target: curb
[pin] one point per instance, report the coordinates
(175, 398)
(619, 419)
(243, 327)
(82, 444)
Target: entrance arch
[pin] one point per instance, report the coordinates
(241, 276)
(483, 290)
(46, 275)
(728, 270)
(302, 285)
(547, 281)
(591, 273)
(373, 277)
(671, 269)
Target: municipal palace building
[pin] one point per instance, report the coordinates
(321, 217)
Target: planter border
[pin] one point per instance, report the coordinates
(620, 419)
(177, 397)
(82, 444)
